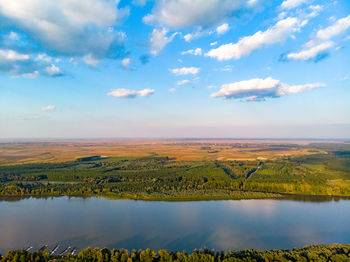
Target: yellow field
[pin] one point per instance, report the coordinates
(57, 151)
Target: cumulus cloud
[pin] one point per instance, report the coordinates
(159, 40)
(126, 62)
(183, 82)
(198, 14)
(185, 13)
(90, 60)
(322, 40)
(197, 51)
(68, 27)
(48, 108)
(315, 10)
(246, 45)
(18, 64)
(11, 55)
(213, 43)
(311, 51)
(338, 27)
(128, 93)
(185, 71)
(190, 36)
(258, 89)
(290, 4)
(32, 75)
(222, 29)
(43, 57)
(53, 70)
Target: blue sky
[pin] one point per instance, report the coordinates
(175, 68)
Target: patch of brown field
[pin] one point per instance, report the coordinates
(18, 152)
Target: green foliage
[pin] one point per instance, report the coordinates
(317, 253)
(160, 178)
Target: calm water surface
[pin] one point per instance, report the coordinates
(222, 225)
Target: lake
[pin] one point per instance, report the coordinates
(130, 224)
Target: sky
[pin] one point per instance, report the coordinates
(175, 69)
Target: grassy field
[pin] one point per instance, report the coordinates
(180, 150)
(207, 170)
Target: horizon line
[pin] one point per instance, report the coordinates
(181, 138)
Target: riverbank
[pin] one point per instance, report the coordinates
(170, 196)
(160, 178)
(333, 252)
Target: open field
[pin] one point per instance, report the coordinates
(175, 170)
(16, 152)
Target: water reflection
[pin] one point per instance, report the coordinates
(222, 225)
(303, 198)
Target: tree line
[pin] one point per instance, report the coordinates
(319, 253)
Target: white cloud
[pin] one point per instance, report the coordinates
(146, 92)
(253, 2)
(126, 62)
(90, 60)
(128, 93)
(222, 29)
(25, 65)
(43, 57)
(70, 27)
(290, 4)
(310, 52)
(246, 45)
(159, 40)
(321, 41)
(172, 90)
(32, 75)
(214, 43)
(197, 51)
(315, 10)
(226, 68)
(48, 108)
(190, 36)
(335, 29)
(183, 82)
(211, 87)
(185, 71)
(53, 70)
(258, 89)
(185, 13)
(13, 36)
(11, 55)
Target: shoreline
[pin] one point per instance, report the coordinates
(328, 252)
(264, 196)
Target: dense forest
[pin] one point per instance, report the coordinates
(162, 178)
(318, 253)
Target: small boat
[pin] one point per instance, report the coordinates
(54, 250)
(42, 248)
(28, 249)
(74, 251)
(65, 251)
